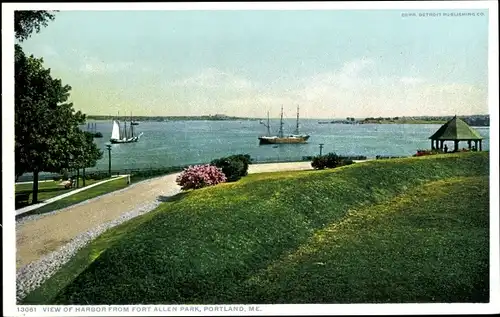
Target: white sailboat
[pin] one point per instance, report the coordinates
(120, 136)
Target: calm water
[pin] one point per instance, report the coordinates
(188, 142)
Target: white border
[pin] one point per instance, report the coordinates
(302, 5)
(8, 146)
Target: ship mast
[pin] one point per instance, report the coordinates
(297, 126)
(131, 126)
(280, 133)
(268, 129)
(125, 126)
(122, 130)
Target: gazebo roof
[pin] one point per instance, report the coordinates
(456, 129)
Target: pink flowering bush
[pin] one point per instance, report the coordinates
(199, 176)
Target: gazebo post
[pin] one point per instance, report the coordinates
(480, 145)
(469, 143)
(432, 144)
(475, 145)
(456, 146)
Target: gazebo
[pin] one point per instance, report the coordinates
(456, 130)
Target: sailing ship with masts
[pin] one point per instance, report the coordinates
(281, 138)
(122, 135)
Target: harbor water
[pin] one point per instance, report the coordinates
(175, 143)
(178, 143)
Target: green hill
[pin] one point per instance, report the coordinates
(399, 231)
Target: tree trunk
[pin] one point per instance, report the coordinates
(77, 177)
(34, 197)
(83, 177)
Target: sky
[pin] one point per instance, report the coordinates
(331, 63)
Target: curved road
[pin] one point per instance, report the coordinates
(45, 234)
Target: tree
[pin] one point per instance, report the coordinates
(27, 22)
(83, 153)
(47, 136)
(46, 126)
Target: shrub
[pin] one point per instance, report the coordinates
(347, 162)
(149, 173)
(330, 160)
(96, 175)
(200, 176)
(234, 167)
(428, 152)
(319, 162)
(245, 159)
(354, 157)
(333, 160)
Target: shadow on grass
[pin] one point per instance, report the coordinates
(176, 197)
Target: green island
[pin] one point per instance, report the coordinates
(473, 120)
(216, 117)
(400, 230)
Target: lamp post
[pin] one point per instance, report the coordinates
(108, 146)
(320, 148)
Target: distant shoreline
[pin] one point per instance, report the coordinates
(473, 120)
(404, 122)
(171, 118)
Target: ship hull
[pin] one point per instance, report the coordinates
(284, 140)
(134, 139)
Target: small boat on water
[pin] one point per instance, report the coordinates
(281, 138)
(121, 135)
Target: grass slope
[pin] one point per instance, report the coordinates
(98, 190)
(403, 230)
(47, 190)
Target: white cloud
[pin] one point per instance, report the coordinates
(49, 51)
(88, 64)
(412, 80)
(356, 67)
(214, 78)
(102, 67)
(358, 89)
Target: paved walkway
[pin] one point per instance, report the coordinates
(51, 200)
(48, 233)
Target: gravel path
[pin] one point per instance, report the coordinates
(45, 242)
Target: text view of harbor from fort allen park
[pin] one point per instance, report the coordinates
(333, 69)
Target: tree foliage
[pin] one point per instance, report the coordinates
(47, 133)
(27, 22)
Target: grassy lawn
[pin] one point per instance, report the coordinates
(400, 230)
(48, 190)
(81, 196)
